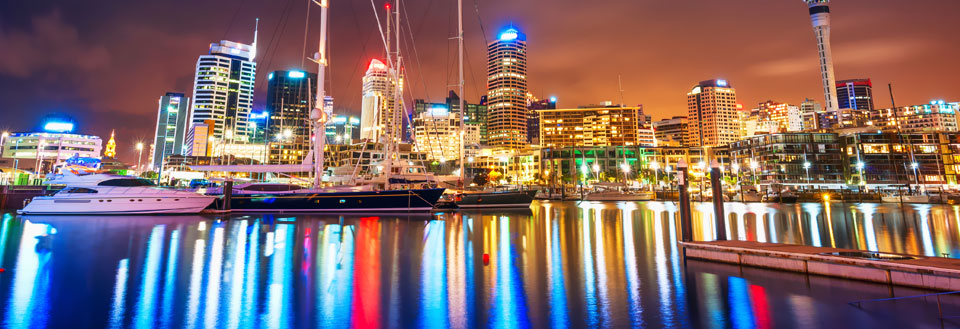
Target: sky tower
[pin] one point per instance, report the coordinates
(820, 16)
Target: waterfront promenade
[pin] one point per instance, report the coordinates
(558, 264)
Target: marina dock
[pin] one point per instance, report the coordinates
(935, 273)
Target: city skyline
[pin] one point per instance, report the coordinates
(771, 56)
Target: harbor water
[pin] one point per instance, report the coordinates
(557, 264)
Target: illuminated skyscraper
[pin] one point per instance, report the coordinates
(712, 114)
(533, 117)
(288, 105)
(775, 117)
(820, 16)
(507, 91)
(171, 130)
(437, 133)
(223, 90)
(377, 117)
(855, 94)
(810, 111)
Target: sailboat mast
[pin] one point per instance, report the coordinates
(395, 124)
(463, 126)
(318, 114)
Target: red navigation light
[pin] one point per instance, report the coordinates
(387, 6)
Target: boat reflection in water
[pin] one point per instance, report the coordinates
(560, 264)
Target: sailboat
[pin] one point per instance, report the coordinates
(268, 197)
(480, 199)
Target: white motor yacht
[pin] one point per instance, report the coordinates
(106, 194)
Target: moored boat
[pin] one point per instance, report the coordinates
(337, 200)
(502, 199)
(104, 194)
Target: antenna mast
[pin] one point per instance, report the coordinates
(620, 86)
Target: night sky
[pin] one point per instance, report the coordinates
(107, 62)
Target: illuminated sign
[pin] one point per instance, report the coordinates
(59, 127)
(261, 115)
(296, 74)
(270, 76)
(722, 83)
(376, 64)
(439, 111)
(509, 35)
(553, 99)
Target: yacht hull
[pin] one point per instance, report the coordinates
(364, 201)
(117, 205)
(512, 199)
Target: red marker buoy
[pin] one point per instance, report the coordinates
(486, 259)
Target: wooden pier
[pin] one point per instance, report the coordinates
(934, 273)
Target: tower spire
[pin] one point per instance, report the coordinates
(111, 151)
(256, 28)
(820, 17)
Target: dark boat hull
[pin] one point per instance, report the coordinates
(512, 199)
(368, 201)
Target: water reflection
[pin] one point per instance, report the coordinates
(560, 265)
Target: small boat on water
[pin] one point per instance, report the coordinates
(106, 194)
(892, 198)
(270, 198)
(619, 196)
(495, 199)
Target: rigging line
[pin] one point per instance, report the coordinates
(448, 55)
(473, 76)
(306, 30)
(380, 27)
(363, 48)
(413, 135)
(353, 75)
(483, 31)
(271, 50)
(233, 19)
(416, 55)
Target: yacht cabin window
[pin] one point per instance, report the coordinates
(126, 182)
(79, 190)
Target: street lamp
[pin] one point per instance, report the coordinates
(626, 171)
(139, 155)
(3, 138)
(860, 167)
(806, 167)
(656, 171)
(596, 170)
